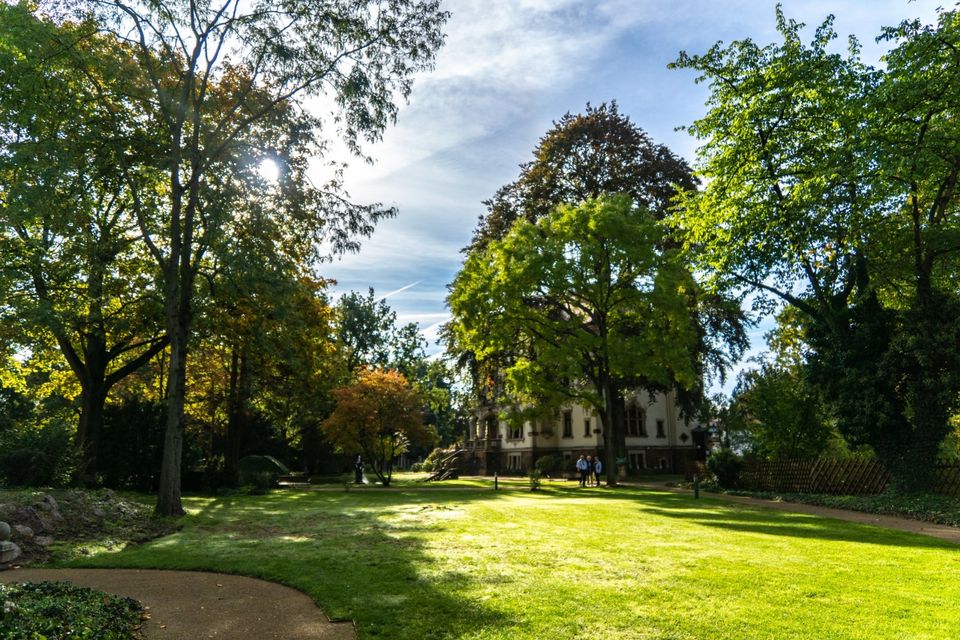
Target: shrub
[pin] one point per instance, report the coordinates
(258, 482)
(416, 466)
(534, 480)
(37, 455)
(433, 458)
(725, 466)
(549, 465)
(61, 610)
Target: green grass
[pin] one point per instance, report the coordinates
(470, 563)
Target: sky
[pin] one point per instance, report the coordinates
(510, 68)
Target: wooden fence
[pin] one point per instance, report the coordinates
(855, 477)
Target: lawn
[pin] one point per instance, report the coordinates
(467, 562)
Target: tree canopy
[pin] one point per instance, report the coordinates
(581, 299)
(831, 186)
(379, 416)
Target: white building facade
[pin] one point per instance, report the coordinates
(658, 437)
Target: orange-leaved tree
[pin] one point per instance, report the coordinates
(378, 416)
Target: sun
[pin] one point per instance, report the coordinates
(269, 170)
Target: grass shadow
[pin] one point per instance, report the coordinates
(362, 556)
(732, 516)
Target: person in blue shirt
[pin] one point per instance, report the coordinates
(584, 468)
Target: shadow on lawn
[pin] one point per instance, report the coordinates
(748, 519)
(362, 556)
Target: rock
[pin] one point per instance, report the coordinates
(49, 505)
(8, 552)
(98, 512)
(22, 532)
(28, 517)
(43, 541)
(4, 531)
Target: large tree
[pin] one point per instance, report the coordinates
(583, 298)
(71, 266)
(832, 186)
(587, 155)
(590, 155)
(218, 71)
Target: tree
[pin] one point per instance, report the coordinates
(368, 334)
(592, 155)
(378, 416)
(71, 265)
(775, 413)
(584, 156)
(219, 71)
(831, 186)
(582, 298)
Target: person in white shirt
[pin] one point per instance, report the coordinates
(597, 469)
(584, 468)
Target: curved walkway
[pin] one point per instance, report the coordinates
(942, 531)
(190, 605)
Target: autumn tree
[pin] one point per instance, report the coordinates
(217, 72)
(379, 416)
(831, 186)
(581, 299)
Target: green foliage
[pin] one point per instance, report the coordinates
(927, 507)
(725, 466)
(831, 186)
(54, 610)
(581, 299)
(264, 464)
(775, 413)
(549, 464)
(535, 477)
(38, 455)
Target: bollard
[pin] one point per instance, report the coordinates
(696, 486)
(495, 483)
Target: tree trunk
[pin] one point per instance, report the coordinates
(607, 418)
(236, 409)
(168, 497)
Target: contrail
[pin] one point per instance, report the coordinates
(400, 290)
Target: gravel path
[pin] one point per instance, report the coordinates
(190, 605)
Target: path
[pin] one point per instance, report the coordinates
(942, 531)
(190, 605)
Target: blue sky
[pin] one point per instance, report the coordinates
(511, 67)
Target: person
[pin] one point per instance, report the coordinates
(597, 469)
(584, 469)
(589, 471)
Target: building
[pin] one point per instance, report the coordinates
(658, 438)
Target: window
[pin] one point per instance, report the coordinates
(493, 432)
(664, 465)
(567, 424)
(586, 427)
(513, 462)
(660, 432)
(516, 431)
(637, 461)
(636, 421)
